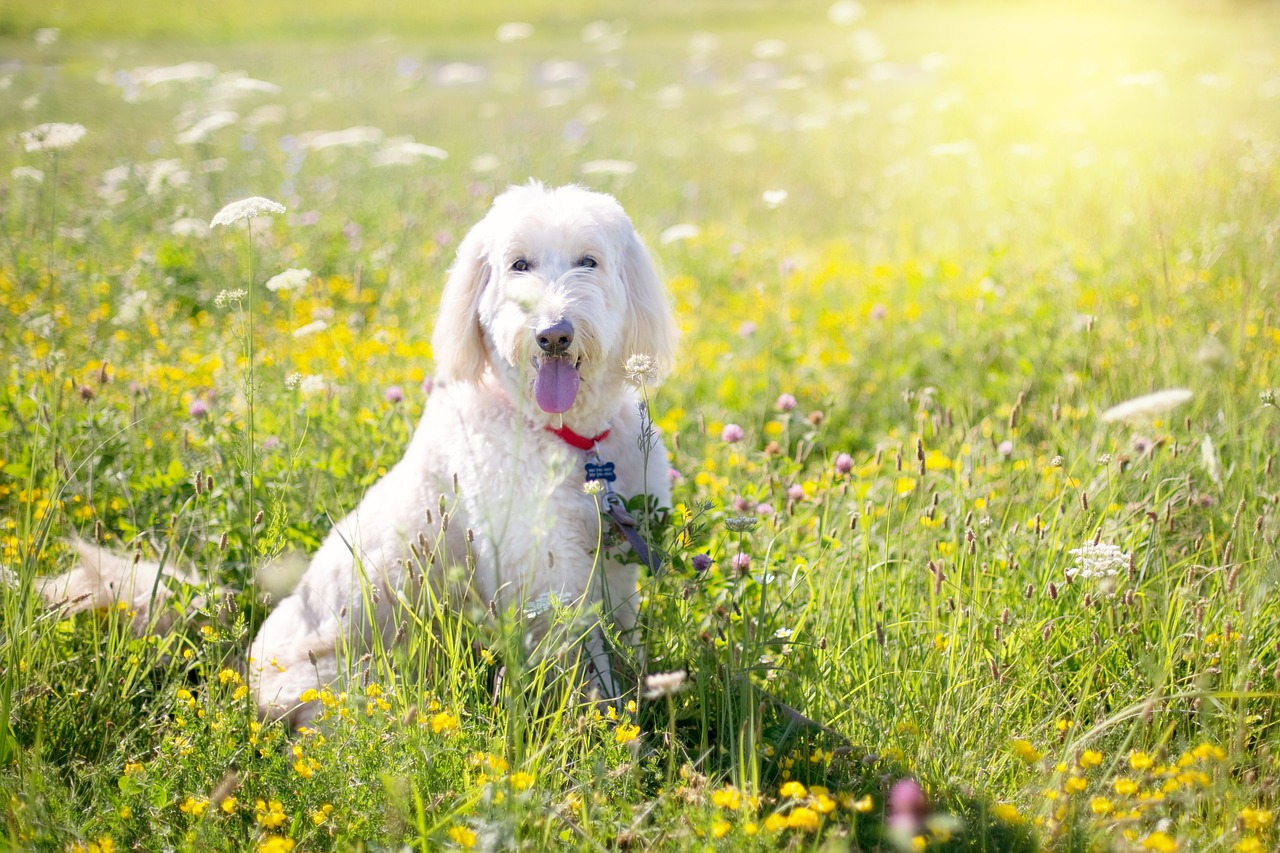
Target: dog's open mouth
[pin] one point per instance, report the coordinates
(555, 386)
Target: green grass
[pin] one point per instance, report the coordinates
(1000, 221)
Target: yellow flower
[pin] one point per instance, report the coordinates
(1249, 844)
(1063, 725)
(463, 836)
(443, 722)
(862, 805)
(1139, 760)
(125, 812)
(229, 676)
(727, 798)
(521, 780)
(194, 806)
(1100, 805)
(941, 642)
(228, 805)
(1024, 750)
(792, 789)
(275, 844)
(1256, 819)
(1159, 842)
(1090, 758)
(750, 828)
(1074, 785)
(804, 818)
(321, 814)
(1125, 787)
(626, 733)
(775, 823)
(1007, 813)
(720, 828)
(269, 815)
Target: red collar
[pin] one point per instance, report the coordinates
(573, 439)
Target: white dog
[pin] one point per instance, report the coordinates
(550, 294)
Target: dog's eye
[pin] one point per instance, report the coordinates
(520, 265)
(587, 261)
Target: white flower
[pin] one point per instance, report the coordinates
(349, 138)
(311, 384)
(1148, 406)
(293, 380)
(663, 684)
(46, 36)
(773, 199)
(227, 297)
(52, 136)
(246, 208)
(310, 329)
(290, 279)
(683, 231)
(641, 369)
(1100, 560)
(27, 174)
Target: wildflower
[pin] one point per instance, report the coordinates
(701, 562)
(720, 828)
(321, 814)
(1090, 758)
(626, 733)
(443, 722)
(290, 279)
(229, 676)
(1098, 560)
(727, 798)
(795, 492)
(52, 136)
(245, 209)
(1267, 397)
(194, 806)
(394, 394)
(792, 789)
(844, 463)
(521, 780)
(275, 844)
(907, 807)
(804, 818)
(1125, 787)
(741, 523)
(641, 369)
(741, 561)
(310, 328)
(1007, 813)
(731, 434)
(269, 814)
(1075, 785)
(28, 174)
(1147, 407)
(1100, 805)
(1256, 819)
(228, 297)
(1139, 760)
(593, 487)
(1005, 449)
(1249, 844)
(198, 409)
(862, 805)
(662, 684)
(1159, 842)
(775, 823)
(1024, 750)
(750, 828)
(786, 403)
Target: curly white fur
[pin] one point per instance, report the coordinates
(541, 258)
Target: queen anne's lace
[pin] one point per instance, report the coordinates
(247, 208)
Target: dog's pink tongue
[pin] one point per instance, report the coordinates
(556, 385)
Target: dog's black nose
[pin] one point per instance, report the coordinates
(555, 339)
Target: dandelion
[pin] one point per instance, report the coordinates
(641, 369)
(52, 136)
(246, 209)
(290, 279)
(662, 684)
(1147, 407)
(1098, 560)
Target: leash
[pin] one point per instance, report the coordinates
(602, 472)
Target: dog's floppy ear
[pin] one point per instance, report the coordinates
(652, 329)
(458, 340)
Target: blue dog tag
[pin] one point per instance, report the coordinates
(601, 471)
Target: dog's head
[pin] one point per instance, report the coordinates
(552, 289)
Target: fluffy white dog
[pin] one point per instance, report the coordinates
(550, 294)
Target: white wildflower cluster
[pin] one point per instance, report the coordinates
(246, 208)
(1098, 560)
(1268, 397)
(641, 369)
(52, 136)
(229, 297)
(663, 684)
(290, 279)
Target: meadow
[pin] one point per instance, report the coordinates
(932, 583)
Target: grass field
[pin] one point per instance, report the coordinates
(919, 251)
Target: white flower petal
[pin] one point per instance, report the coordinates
(247, 208)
